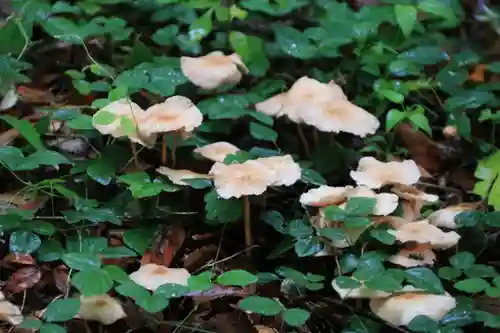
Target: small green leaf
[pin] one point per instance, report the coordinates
(299, 228)
(261, 132)
(334, 234)
(423, 324)
(393, 118)
(166, 35)
(357, 222)
(449, 273)
(296, 316)
(334, 213)
(29, 323)
(237, 277)
(104, 117)
(26, 129)
(82, 261)
(116, 273)
(153, 303)
(383, 236)
(406, 16)
(472, 285)
(50, 250)
(422, 277)
(172, 290)
(261, 305)
(201, 27)
(92, 282)
(52, 328)
(360, 206)
(462, 260)
(420, 121)
(384, 282)
(62, 310)
(139, 239)
(346, 282)
(309, 176)
(200, 282)
(25, 242)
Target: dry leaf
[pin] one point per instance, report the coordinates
(23, 279)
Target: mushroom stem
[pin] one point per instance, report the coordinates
(164, 149)
(134, 153)
(174, 147)
(316, 137)
(248, 226)
(302, 138)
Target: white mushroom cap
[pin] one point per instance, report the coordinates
(176, 113)
(151, 276)
(237, 180)
(446, 217)
(217, 151)
(324, 196)
(177, 176)
(424, 233)
(360, 292)
(287, 170)
(9, 312)
(375, 174)
(213, 69)
(102, 308)
(131, 111)
(298, 100)
(413, 200)
(341, 116)
(399, 310)
(386, 202)
(418, 256)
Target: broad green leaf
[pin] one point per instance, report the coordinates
(221, 210)
(487, 172)
(383, 236)
(237, 277)
(384, 282)
(166, 35)
(449, 273)
(26, 129)
(462, 260)
(139, 239)
(153, 303)
(437, 8)
(261, 305)
(472, 285)
(334, 234)
(307, 246)
(62, 310)
(92, 282)
(261, 132)
(104, 117)
(299, 228)
(468, 219)
(294, 42)
(117, 252)
(424, 55)
(200, 282)
(296, 316)
(29, 323)
(52, 328)
(420, 121)
(422, 277)
(172, 290)
(334, 213)
(309, 176)
(346, 282)
(252, 51)
(406, 16)
(393, 118)
(132, 290)
(82, 261)
(200, 28)
(481, 271)
(50, 250)
(360, 206)
(24, 242)
(423, 324)
(116, 273)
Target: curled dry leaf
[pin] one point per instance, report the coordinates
(23, 279)
(18, 258)
(400, 309)
(102, 308)
(151, 276)
(375, 174)
(217, 151)
(213, 69)
(177, 176)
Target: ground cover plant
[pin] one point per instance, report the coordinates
(249, 166)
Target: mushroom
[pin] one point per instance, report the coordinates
(386, 202)
(176, 114)
(446, 217)
(424, 233)
(217, 151)
(177, 176)
(324, 196)
(213, 69)
(419, 255)
(264, 329)
(375, 174)
(285, 167)
(241, 180)
(9, 312)
(151, 276)
(413, 200)
(102, 308)
(400, 309)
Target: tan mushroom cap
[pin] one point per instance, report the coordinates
(287, 170)
(386, 202)
(102, 308)
(176, 113)
(419, 256)
(413, 200)
(217, 151)
(213, 69)
(400, 309)
(177, 176)
(130, 110)
(152, 276)
(237, 180)
(424, 233)
(446, 217)
(341, 116)
(325, 196)
(375, 174)
(264, 329)
(359, 292)
(298, 100)
(9, 312)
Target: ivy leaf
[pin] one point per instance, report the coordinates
(406, 16)
(462, 260)
(261, 305)
(237, 277)
(62, 310)
(92, 282)
(360, 206)
(296, 316)
(82, 261)
(422, 277)
(293, 42)
(24, 242)
(262, 132)
(472, 285)
(221, 210)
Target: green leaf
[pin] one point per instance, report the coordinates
(293, 42)
(479, 270)
(462, 260)
(449, 273)
(406, 16)
(92, 282)
(26, 129)
(261, 305)
(360, 206)
(139, 239)
(384, 282)
(25, 242)
(252, 51)
(468, 219)
(82, 261)
(201, 27)
(29, 323)
(133, 290)
(116, 273)
(172, 290)
(261, 132)
(221, 210)
(50, 250)
(420, 121)
(296, 316)
(298, 228)
(62, 310)
(424, 55)
(237, 277)
(422, 323)
(307, 246)
(472, 285)
(487, 172)
(153, 303)
(346, 282)
(104, 117)
(166, 35)
(393, 118)
(334, 213)
(424, 278)
(334, 234)
(383, 236)
(391, 95)
(357, 222)
(437, 8)
(52, 328)
(200, 282)
(309, 176)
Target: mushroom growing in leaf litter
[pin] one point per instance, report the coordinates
(152, 276)
(177, 176)
(375, 174)
(102, 308)
(217, 151)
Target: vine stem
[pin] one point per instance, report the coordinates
(164, 149)
(248, 225)
(303, 139)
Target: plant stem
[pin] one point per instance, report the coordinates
(302, 138)
(134, 154)
(164, 149)
(174, 147)
(248, 226)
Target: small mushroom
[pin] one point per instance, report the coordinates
(400, 309)
(151, 276)
(217, 151)
(177, 176)
(176, 114)
(424, 233)
(325, 196)
(419, 255)
(285, 167)
(446, 217)
(213, 69)
(102, 308)
(413, 200)
(375, 174)
(9, 312)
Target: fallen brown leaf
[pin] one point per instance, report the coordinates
(23, 279)
(18, 258)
